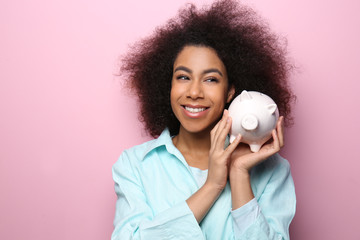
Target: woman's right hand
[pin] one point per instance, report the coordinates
(219, 161)
(219, 158)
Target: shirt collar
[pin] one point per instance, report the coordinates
(163, 140)
(166, 140)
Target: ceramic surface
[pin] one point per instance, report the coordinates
(254, 116)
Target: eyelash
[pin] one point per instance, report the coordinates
(212, 80)
(182, 77)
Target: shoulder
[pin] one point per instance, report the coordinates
(132, 158)
(137, 153)
(134, 155)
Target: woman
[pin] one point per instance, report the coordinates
(185, 184)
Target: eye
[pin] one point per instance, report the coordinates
(182, 77)
(212, 79)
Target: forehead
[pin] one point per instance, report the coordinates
(198, 57)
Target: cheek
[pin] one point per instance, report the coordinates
(174, 95)
(173, 102)
(176, 91)
(220, 97)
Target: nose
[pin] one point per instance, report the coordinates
(195, 90)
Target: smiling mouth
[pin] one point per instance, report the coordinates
(194, 110)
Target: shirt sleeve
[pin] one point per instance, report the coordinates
(245, 216)
(134, 218)
(277, 204)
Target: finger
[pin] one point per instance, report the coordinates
(231, 148)
(224, 132)
(280, 130)
(276, 142)
(214, 130)
(271, 148)
(222, 124)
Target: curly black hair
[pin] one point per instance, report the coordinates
(254, 58)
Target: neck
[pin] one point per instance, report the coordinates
(199, 141)
(194, 147)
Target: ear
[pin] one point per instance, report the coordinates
(231, 93)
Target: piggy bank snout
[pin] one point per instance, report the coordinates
(249, 122)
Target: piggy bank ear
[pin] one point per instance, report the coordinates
(271, 108)
(245, 95)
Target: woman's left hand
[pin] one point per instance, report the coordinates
(242, 159)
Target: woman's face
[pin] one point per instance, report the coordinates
(199, 88)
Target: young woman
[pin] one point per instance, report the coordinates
(189, 183)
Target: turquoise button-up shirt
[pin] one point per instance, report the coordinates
(153, 181)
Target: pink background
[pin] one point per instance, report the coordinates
(65, 118)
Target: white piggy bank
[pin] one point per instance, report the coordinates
(254, 115)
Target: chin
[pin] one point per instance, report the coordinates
(197, 129)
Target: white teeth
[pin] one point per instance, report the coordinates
(194, 110)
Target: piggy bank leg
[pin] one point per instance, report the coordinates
(255, 147)
(232, 138)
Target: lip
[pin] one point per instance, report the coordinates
(196, 114)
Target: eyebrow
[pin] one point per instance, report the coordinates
(210, 70)
(183, 69)
(213, 70)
